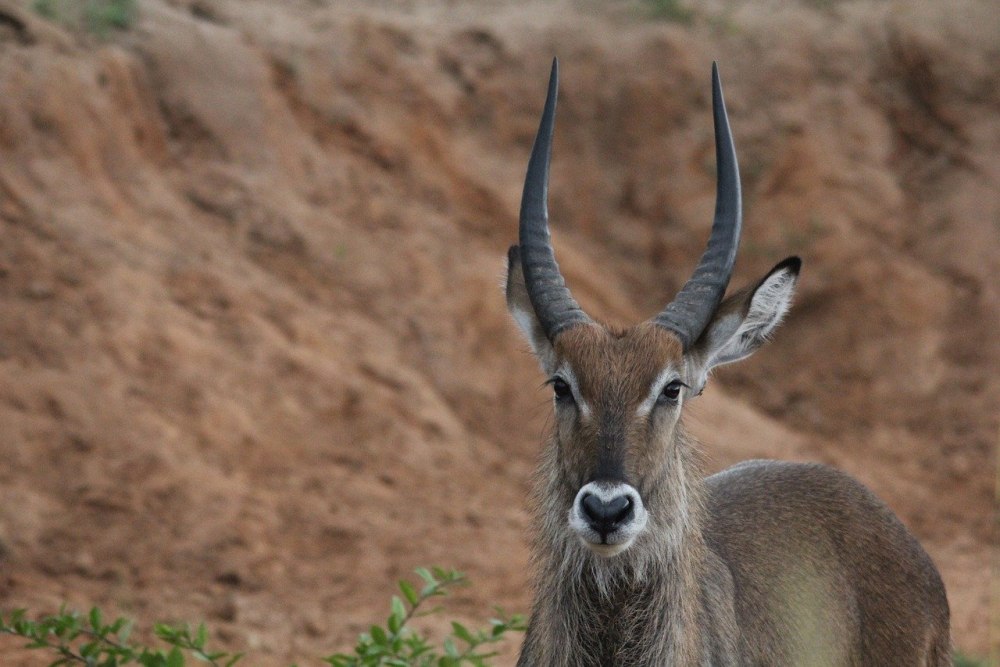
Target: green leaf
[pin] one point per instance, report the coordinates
(379, 636)
(164, 632)
(409, 592)
(175, 658)
(95, 619)
(90, 649)
(462, 633)
(122, 628)
(397, 608)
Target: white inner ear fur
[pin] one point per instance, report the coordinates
(546, 355)
(732, 337)
(768, 307)
(532, 331)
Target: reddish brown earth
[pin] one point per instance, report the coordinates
(254, 360)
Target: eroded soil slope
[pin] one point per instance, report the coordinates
(254, 361)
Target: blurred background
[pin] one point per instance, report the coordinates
(254, 359)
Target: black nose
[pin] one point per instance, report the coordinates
(605, 516)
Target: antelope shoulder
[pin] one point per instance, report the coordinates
(814, 557)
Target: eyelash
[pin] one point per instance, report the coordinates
(561, 388)
(670, 392)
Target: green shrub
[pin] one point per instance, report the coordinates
(97, 16)
(103, 15)
(71, 639)
(75, 640)
(398, 644)
(962, 660)
(670, 10)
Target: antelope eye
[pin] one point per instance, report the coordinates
(561, 389)
(670, 392)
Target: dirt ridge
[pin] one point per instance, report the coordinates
(254, 361)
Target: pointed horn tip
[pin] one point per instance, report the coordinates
(716, 80)
(550, 298)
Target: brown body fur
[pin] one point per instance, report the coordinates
(780, 564)
(766, 563)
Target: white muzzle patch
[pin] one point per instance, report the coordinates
(612, 537)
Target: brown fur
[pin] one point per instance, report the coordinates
(766, 563)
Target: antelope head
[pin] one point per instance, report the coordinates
(616, 463)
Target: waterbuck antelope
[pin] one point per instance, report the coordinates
(640, 559)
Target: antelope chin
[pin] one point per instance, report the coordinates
(607, 550)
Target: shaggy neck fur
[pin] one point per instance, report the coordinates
(641, 607)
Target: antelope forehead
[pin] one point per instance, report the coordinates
(619, 385)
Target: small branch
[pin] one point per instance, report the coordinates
(61, 649)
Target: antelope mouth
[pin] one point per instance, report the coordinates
(607, 550)
(607, 517)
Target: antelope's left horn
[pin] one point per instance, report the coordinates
(690, 311)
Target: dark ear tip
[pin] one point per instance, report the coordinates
(793, 264)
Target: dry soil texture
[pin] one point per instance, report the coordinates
(254, 360)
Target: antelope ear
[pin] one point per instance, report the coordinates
(519, 305)
(745, 321)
